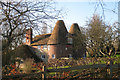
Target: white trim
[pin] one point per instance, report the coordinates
(39, 47)
(66, 48)
(70, 56)
(44, 46)
(53, 56)
(48, 47)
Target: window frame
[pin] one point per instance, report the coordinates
(27, 40)
(70, 40)
(39, 47)
(69, 55)
(48, 47)
(44, 46)
(42, 56)
(53, 56)
(66, 48)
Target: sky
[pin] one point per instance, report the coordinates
(81, 11)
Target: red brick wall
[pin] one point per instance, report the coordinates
(59, 51)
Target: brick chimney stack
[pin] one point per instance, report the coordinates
(28, 36)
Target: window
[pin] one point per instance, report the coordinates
(70, 40)
(70, 56)
(45, 47)
(53, 56)
(48, 47)
(39, 47)
(84, 55)
(67, 35)
(66, 48)
(43, 56)
(27, 40)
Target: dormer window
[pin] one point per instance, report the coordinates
(69, 40)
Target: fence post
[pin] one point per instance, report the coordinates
(111, 73)
(44, 74)
(55, 72)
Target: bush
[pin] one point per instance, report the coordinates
(27, 65)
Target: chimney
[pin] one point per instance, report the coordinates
(28, 36)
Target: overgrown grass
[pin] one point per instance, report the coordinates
(84, 61)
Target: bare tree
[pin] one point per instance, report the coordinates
(101, 4)
(100, 38)
(44, 28)
(16, 17)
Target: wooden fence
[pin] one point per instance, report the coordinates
(109, 66)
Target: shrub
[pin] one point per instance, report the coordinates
(27, 65)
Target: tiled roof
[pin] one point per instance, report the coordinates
(59, 33)
(40, 39)
(58, 36)
(74, 27)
